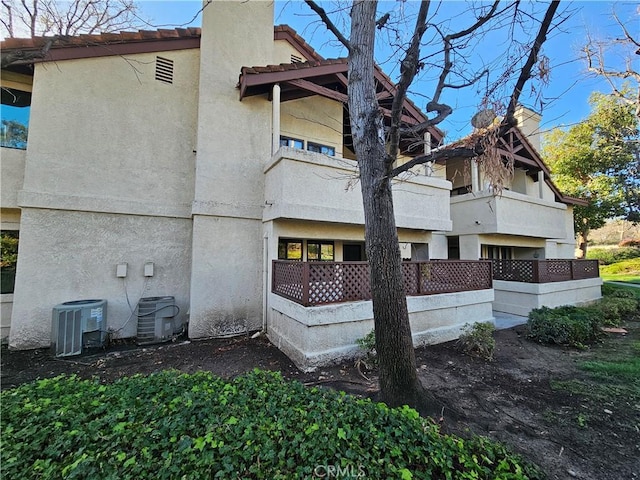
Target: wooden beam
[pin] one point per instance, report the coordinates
(318, 89)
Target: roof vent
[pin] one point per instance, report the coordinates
(296, 59)
(164, 70)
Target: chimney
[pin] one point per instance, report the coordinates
(529, 125)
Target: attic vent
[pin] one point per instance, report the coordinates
(296, 59)
(164, 70)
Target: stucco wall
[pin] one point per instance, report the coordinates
(282, 51)
(65, 256)
(226, 295)
(509, 213)
(315, 119)
(317, 336)
(305, 185)
(12, 163)
(234, 144)
(520, 298)
(106, 136)
(6, 305)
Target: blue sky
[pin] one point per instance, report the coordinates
(565, 96)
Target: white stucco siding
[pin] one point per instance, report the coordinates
(66, 256)
(103, 129)
(234, 137)
(313, 119)
(227, 279)
(520, 298)
(12, 163)
(316, 336)
(307, 186)
(283, 51)
(509, 213)
(234, 144)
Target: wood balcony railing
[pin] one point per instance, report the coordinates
(544, 271)
(320, 283)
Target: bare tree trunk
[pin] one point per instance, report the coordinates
(582, 241)
(399, 383)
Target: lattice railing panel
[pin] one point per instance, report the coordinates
(411, 276)
(288, 280)
(585, 269)
(454, 276)
(544, 271)
(554, 271)
(318, 283)
(514, 270)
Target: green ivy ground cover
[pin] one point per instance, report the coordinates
(176, 426)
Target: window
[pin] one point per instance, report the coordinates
(290, 250)
(495, 252)
(319, 251)
(9, 260)
(16, 106)
(324, 149)
(291, 142)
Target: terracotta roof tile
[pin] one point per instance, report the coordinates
(286, 30)
(283, 67)
(100, 39)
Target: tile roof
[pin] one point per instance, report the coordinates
(288, 33)
(83, 40)
(285, 67)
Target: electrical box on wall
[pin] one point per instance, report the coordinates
(148, 269)
(121, 270)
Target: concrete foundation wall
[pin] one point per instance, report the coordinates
(520, 298)
(316, 336)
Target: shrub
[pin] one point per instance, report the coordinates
(573, 326)
(368, 344)
(613, 309)
(620, 291)
(170, 425)
(608, 256)
(477, 340)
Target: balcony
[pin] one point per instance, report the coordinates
(510, 213)
(522, 285)
(320, 283)
(304, 185)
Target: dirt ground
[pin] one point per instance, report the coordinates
(509, 399)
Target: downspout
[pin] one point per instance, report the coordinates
(265, 285)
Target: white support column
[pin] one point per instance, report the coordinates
(428, 167)
(541, 184)
(275, 113)
(475, 176)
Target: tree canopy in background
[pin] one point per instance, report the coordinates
(31, 18)
(599, 160)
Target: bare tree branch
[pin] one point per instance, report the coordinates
(525, 72)
(328, 23)
(7, 21)
(434, 156)
(45, 17)
(594, 55)
(408, 70)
